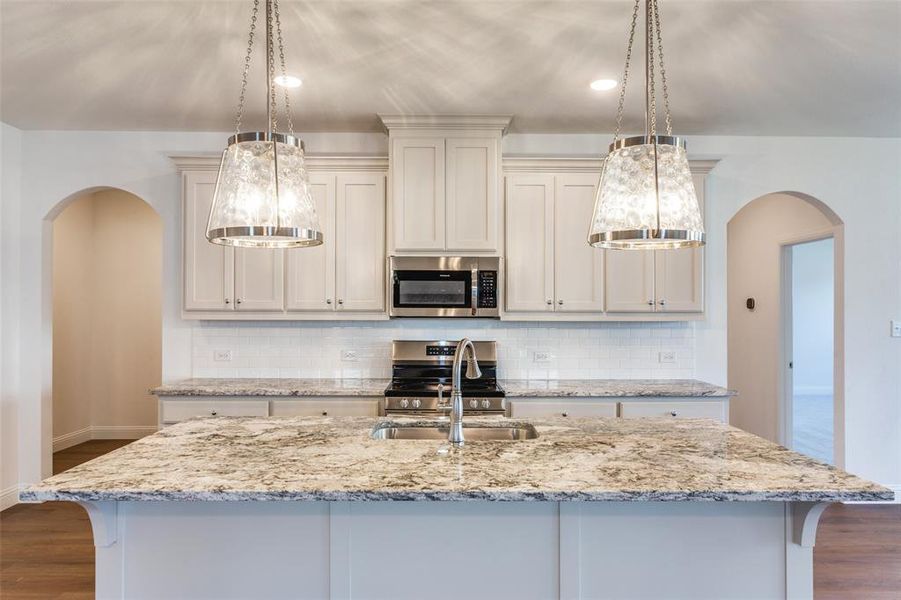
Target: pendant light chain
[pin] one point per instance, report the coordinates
(668, 116)
(281, 55)
(622, 90)
(253, 26)
(651, 99)
(270, 70)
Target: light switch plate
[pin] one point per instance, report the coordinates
(896, 328)
(222, 355)
(667, 356)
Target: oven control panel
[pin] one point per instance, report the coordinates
(440, 350)
(430, 405)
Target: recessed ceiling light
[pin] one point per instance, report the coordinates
(602, 85)
(289, 81)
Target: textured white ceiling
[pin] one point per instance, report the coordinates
(736, 67)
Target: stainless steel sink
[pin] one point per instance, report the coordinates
(474, 432)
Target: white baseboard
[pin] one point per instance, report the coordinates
(121, 432)
(9, 497)
(67, 440)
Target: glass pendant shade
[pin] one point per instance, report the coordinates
(262, 197)
(646, 198)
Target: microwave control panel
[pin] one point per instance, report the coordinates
(487, 289)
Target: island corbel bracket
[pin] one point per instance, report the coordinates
(805, 518)
(104, 517)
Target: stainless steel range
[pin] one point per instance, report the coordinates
(421, 379)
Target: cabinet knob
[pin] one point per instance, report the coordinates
(325, 413)
(328, 300)
(214, 413)
(550, 302)
(340, 301)
(565, 414)
(650, 303)
(227, 301)
(663, 303)
(672, 413)
(560, 302)
(238, 301)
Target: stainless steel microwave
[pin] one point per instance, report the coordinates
(443, 286)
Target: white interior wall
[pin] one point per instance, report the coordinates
(107, 263)
(755, 271)
(812, 315)
(833, 170)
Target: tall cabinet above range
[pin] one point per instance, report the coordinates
(445, 184)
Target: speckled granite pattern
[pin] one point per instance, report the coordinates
(617, 388)
(273, 387)
(597, 459)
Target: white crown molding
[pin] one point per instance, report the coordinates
(314, 162)
(492, 122)
(578, 164)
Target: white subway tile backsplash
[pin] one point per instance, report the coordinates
(574, 350)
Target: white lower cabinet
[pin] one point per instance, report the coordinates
(525, 409)
(326, 407)
(691, 409)
(175, 410)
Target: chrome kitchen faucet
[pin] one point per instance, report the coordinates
(455, 435)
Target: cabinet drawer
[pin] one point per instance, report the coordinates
(562, 409)
(696, 410)
(173, 411)
(368, 407)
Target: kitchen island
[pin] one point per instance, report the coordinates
(264, 507)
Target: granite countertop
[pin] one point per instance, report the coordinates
(614, 388)
(515, 388)
(273, 387)
(334, 459)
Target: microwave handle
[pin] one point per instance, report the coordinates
(475, 290)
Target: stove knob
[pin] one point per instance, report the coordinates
(404, 403)
(486, 403)
(473, 403)
(417, 403)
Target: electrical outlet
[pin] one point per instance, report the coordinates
(896, 328)
(542, 356)
(349, 355)
(667, 356)
(222, 355)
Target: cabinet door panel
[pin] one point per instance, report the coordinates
(326, 407)
(680, 273)
(700, 409)
(519, 410)
(208, 268)
(629, 282)
(259, 279)
(417, 193)
(530, 245)
(578, 268)
(360, 241)
(311, 271)
(472, 181)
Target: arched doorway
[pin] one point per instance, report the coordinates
(106, 331)
(763, 238)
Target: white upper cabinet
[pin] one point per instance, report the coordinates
(208, 272)
(630, 280)
(578, 268)
(311, 271)
(259, 279)
(471, 193)
(360, 240)
(418, 193)
(445, 184)
(530, 243)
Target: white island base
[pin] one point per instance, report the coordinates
(455, 550)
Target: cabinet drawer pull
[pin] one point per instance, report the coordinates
(673, 413)
(213, 413)
(325, 413)
(564, 414)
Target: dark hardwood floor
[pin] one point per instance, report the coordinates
(47, 552)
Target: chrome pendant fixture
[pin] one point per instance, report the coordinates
(646, 198)
(262, 197)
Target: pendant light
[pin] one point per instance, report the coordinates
(262, 197)
(646, 198)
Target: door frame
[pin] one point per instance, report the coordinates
(785, 391)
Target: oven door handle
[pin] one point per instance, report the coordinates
(475, 290)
